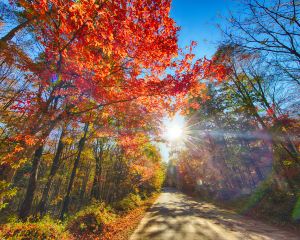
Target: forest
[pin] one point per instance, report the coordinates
(85, 86)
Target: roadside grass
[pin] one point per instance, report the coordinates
(44, 229)
(97, 221)
(277, 208)
(126, 223)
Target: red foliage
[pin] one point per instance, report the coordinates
(102, 55)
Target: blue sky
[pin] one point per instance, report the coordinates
(198, 20)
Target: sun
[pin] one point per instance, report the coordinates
(174, 130)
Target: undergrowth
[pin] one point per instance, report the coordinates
(96, 221)
(44, 229)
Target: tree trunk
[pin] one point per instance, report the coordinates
(27, 203)
(84, 184)
(98, 154)
(80, 149)
(96, 182)
(54, 168)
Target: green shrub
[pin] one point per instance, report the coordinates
(258, 195)
(42, 230)
(277, 205)
(91, 219)
(296, 211)
(271, 203)
(130, 202)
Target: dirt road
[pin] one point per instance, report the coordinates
(176, 216)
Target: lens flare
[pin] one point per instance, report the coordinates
(174, 132)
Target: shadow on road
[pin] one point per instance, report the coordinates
(177, 216)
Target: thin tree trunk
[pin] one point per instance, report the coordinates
(98, 169)
(96, 188)
(27, 203)
(73, 174)
(54, 168)
(84, 184)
